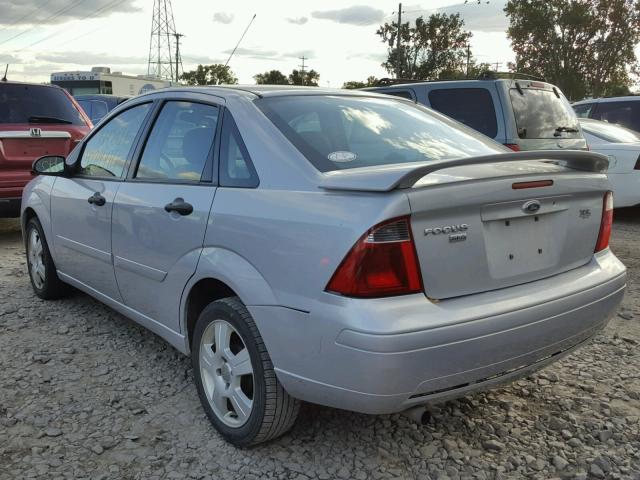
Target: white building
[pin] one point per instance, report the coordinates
(100, 80)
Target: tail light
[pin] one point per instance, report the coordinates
(606, 223)
(513, 146)
(637, 167)
(382, 263)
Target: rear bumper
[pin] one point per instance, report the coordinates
(386, 355)
(10, 207)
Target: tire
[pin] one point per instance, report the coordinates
(42, 271)
(272, 411)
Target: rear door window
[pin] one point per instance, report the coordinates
(541, 114)
(472, 106)
(180, 143)
(626, 113)
(36, 104)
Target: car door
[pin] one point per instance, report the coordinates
(81, 206)
(161, 211)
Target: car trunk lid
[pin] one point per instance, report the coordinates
(484, 234)
(486, 223)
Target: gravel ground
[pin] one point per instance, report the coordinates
(84, 393)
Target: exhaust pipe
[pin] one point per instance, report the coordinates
(418, 414)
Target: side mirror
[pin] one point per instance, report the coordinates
(49, 165)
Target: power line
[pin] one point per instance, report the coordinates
(53, 16)
(15, 22)
(92, 14)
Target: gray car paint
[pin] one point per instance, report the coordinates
(277, 245)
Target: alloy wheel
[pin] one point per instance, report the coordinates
(35, 258)
(227, 373)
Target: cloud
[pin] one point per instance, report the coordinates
(483, 17)
(90, 58)
(6, 58)
(29, 12)
(378, 57)
(298, 20)
(223, 17)
(259, 53)
(360, 15)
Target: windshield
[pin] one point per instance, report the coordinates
(341, 132)
(541, 114)
(610, 133)
(23, 103)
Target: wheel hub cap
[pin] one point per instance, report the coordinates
(226, 373)
(34, 257)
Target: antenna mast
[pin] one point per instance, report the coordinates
(162, 62)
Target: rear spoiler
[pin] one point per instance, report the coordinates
(384, 178)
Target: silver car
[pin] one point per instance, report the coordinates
(347, 249)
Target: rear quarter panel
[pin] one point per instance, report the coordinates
(295, 240)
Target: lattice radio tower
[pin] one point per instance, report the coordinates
(164, 46)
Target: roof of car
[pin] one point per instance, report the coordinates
(635, 98)
(264, 90)
(29, 84)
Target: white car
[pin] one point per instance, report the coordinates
(622, 146)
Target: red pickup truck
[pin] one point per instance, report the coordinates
(35, 120)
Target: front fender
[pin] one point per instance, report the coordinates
(233, 270)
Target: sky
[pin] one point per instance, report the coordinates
(39, 37)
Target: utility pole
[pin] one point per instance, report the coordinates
(399, 67)
(178, 36)
(468, 57)
(498, 64)
(303, 58)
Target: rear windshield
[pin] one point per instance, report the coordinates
(541, 114)
(342, 132)
(36, 104)
(610, 133)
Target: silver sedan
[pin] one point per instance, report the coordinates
(348, 249)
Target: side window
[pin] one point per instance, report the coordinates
(86, 106)
(582, 111)
(623, 113)
(180, 142)
(105, 153)
(236, 168)
(98, 110)
(471, 106)
(399, 93)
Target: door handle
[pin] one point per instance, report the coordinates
(97, 199)
(179, 206)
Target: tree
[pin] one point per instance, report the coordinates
(586, 47)
(370, 82)
(427, 48)
(310, 79)
(216, 74)
(272, 77)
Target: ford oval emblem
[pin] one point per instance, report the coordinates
(532, 206)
